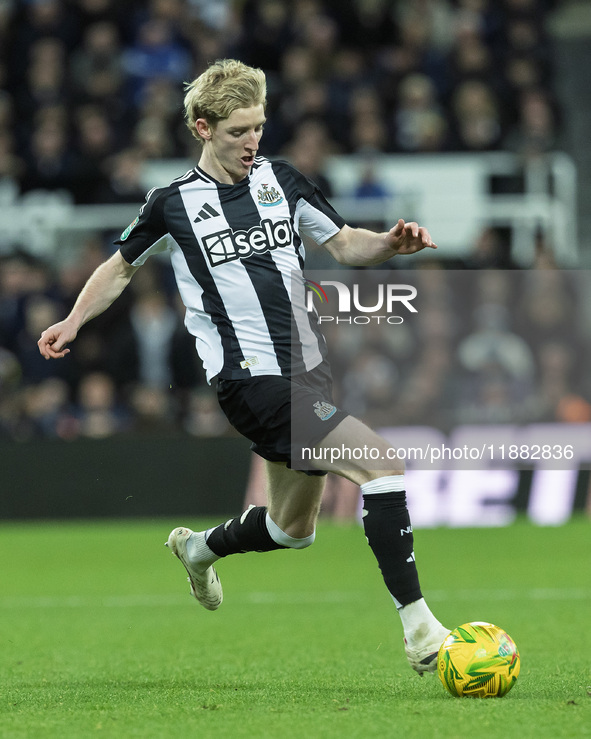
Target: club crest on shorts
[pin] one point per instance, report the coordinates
(324, 410)
(269, 196)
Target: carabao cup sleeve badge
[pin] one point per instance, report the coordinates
(129, 229)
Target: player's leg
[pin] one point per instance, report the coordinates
(289, 522)
(389, 533)
(260, 409)
(293, 500)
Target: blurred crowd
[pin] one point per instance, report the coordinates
(485, 347)
(134, 368)
(91, 91)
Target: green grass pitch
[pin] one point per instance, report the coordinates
(100, 637)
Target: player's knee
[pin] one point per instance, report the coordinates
(288, 540)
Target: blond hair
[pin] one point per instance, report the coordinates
(224, 87)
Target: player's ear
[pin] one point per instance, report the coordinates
(203, 128)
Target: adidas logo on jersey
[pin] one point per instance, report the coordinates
(206, 212)
(225, 246)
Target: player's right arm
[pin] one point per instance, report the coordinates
(104, 286)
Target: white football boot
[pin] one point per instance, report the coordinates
(422, 654)
(204, 581)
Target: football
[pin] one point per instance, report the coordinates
(478, 660)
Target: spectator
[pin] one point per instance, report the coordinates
(156, 54)
(37, 310)
(558, 394)
(477, 117)
(96, 64)
(124, 179)
(368, 131)
(20, 277)
(491, 250)
(346, 77)
(97, 411)
(309, 149)
(426, 395)
(370, 184)
(151, 410)
(151, 348)
(471, 59)
(161, 103)
(46, 78)
(7, 118)
(151, 138)
(47, 412)
(96, 11)
(51, 164)
(95, 142)
(12, 168)
(536, 129)
(369, 386)
(493, 346)
(42, 19)
(204, 417)
(416, 113)
(547, 307)
(265, 34)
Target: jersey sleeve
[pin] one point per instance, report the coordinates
(147, 234)
(314, 215)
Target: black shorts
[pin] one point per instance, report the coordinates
(282, 415)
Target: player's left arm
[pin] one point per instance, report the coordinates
(358, 247)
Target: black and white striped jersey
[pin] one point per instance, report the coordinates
(238, 257)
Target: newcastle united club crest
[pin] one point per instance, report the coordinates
(324, 410)
(269, 196)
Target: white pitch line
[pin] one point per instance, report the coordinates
(509, 594)
(286, 598)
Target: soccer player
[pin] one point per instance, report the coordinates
(233, 227)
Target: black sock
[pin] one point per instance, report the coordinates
(246, 533)
(389, 533)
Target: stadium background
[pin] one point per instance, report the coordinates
(468, 115)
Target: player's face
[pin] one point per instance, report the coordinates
(231, 145)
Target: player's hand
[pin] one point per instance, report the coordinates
(54, 340)
(409, 238)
